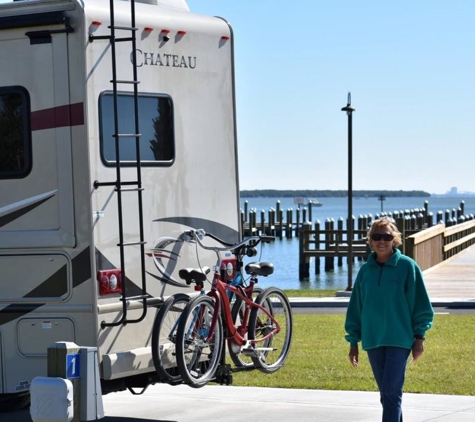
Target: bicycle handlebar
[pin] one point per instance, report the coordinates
(198, 235)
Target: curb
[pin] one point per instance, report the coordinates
(340, 302)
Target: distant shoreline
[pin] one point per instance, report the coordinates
(272, 193)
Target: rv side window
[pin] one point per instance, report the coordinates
(15, 138)
(157, 146)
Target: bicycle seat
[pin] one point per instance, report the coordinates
(194, 275)
(260, 268)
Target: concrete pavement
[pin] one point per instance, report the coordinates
(213, 403)
(238, 404)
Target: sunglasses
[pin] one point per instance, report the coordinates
(378, 236)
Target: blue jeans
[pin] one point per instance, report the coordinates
(389, 369)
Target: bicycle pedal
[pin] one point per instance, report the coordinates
(265, 349)
(249, 351)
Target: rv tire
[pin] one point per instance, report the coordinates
(12, 402)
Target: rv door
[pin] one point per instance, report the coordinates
(36, 200)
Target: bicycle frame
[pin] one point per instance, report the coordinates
(219, 291)
(237, 281)
(222, 294)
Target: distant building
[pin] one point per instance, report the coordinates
(455, 192)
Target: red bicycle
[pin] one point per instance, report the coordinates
(260, 329)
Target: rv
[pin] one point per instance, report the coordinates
(117, 133)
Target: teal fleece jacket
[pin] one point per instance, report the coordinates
(389, 304)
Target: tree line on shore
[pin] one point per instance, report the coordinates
(307, 193)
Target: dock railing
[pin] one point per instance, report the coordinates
(436, 244)
(332, 241)
(428, 238)
(428, 246)
(426, 243)
(328, 243)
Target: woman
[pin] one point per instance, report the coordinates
(389, 312)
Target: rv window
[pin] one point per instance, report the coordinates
(15, 139)
(157, 147)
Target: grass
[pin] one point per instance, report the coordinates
(318, 359)
(311, 293)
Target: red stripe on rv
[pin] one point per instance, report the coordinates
(50, 118)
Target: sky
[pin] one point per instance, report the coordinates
(409, 66)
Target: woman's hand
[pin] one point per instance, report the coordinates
(353, 355)
(417, 348)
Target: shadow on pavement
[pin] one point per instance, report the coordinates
(24, 416)
(126, 419)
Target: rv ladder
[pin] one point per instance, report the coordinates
(118, 183)
(98, 184)
(124, 82)
(131, 189)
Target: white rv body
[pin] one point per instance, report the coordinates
(58, 229)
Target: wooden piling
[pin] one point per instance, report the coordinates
(252, 222)
(348, 239)
(361, 224)
(430, 219)
(304, 261)
(288, 224)
(317, 245)
(329, 239)
(339, 240)
(420, 221)
(272, 221)
(263, 222)
(297, 221)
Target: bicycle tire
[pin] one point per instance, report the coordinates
(271, 354)
(164, 338)
(240, 359)
(198, 359)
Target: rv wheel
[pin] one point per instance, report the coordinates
(11, 402)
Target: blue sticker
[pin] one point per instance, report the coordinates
(72, 366)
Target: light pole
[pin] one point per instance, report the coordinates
(382, 198)
(349, 111)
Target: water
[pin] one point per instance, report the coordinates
(285, 253)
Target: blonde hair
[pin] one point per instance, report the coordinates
(390, 224)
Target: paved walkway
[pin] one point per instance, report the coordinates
(453, 279)
(238, 404)
(163, 403)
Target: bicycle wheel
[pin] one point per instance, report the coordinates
(270, 354)
(164, 338)
(241, 360)
(198, 350)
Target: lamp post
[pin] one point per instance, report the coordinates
(382, 198)
(349, 111)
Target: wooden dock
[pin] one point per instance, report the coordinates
(453, 278)
(426, 243)
(288, 223)
(332, 243)
(429, 239)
